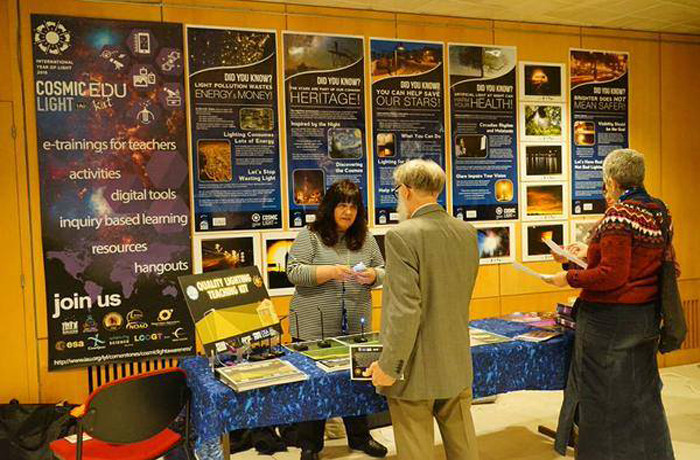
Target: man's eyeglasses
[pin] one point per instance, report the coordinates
(395, 191)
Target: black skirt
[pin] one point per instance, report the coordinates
(614, 389)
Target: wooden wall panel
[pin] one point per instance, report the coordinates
(535, 302)
(538, 42)
(249, 15)
(339, 21)
(644, 93)
(5, 58)
(14, 347)
(444, 29)
(485, 308)
(680, 136)
(69, 385)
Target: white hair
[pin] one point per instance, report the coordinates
(421, 175)
(624, 166)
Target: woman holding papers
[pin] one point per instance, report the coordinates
(614, 390)
(334, 263)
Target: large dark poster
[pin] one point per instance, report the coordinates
(599, 121)
(324, 91)
(484, 139)
(112, 151)
(408, 114)
(235, 129)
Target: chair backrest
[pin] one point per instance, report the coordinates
(135, 408)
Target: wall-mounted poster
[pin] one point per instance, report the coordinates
(408, 113)
(544, 200)
(541, 81)
(484, 138)
(599, 121)
(496, 243)
(234, 123)
(225, 250)
(112, 149)
(581, 229)
(534, 234)
(276, 247)
(324, 91)
(542, 162)
(542, 122)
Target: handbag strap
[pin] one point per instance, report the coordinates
(665, 226)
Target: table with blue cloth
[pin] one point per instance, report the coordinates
(498, 368)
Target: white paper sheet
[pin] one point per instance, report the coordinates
(564, 253)
(531, 272)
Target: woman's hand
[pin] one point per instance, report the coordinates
(367, 277)
(559, 259)
(580, 250)
(343, 273)
(558, 280)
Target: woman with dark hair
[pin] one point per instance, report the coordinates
(333, 264)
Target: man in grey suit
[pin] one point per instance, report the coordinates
(425, 369)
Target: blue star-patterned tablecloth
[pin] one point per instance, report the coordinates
(498, 368)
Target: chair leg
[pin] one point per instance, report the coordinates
(186, 443)
(79, 446)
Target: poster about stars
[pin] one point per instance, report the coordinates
(484, 132)
(408, 114)
(234, 125)
(324, 94)
(112, 149)
(599, 121)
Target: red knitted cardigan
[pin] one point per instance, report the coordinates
(625, 253)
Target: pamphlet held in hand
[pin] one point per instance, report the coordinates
(564, 253)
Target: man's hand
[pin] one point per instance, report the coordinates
(366, 277)
(379, 378)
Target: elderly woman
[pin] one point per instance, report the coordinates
(334, 263)
(613, 392)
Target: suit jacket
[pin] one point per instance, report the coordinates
(432, 261)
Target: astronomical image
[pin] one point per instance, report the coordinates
(227, 252)
(219, 47)
(582, 229)
(308, 187)
(503, 190)
(471, 146)
(543, 120)
(543, 160)
(344, 143)
(276, 259)
(596, 66)
(584, 133)
(544, 200)
(536, 234)
(386, 145)
(304, 53)
(481, 61)
(543, 80)
(401, 59)
(494, 242)
(256, 119)
(214, 161)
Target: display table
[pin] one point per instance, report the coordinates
(498, 368)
